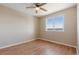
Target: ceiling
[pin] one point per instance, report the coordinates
(50, 7)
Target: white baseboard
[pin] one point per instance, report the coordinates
(35, 39)
(16, 43)
(57, 42)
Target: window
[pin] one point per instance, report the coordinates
(55, 23)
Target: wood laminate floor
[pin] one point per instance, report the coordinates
(38, 47)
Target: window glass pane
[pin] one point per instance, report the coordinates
(55, 23)
(50, 23)
(59, 22)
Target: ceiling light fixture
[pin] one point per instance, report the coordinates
(37, 8)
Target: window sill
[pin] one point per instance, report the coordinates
(55, 30)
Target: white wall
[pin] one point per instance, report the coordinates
(15, 27)
(69, 35)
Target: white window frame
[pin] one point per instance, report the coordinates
(56, 30)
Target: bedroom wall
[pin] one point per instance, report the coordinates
(78, 29)
(37, 25)
(15, 27)
(70, 32)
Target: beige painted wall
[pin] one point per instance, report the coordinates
(69, 34)
(15, 27)
(78, 29)
(37, 25)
